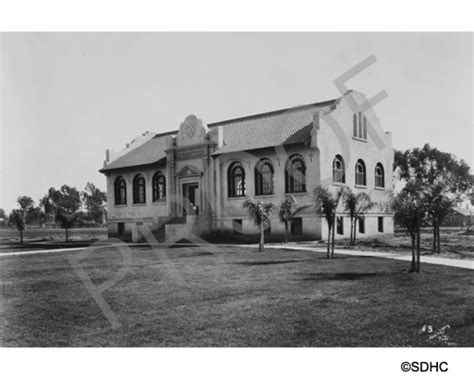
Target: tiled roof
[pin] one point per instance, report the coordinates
(150, 152)
(464, 211)
(282, 127)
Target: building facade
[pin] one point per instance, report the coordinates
(193, 181)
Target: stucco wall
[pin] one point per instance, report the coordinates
(125, 213)
(228, 208)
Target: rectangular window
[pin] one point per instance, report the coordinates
(361, 222)
(121, 228)
(268, 229)
(340, 225)
(380, 224)
(237, 227)
(297, 227)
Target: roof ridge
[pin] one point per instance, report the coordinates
(270, 113)
(257, 115)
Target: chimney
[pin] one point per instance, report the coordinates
(107, 155)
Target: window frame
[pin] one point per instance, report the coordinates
(361, 224)
(156, 194)
(290, 180)
(120, 184)
(340, 159)
(237, 231)
(232, 190)
(299, 228)
(362, 174)
(380, 224)
(340, 225)
(379, 178)
(139, 184)
(261, 181)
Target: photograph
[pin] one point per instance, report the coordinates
(237, 189)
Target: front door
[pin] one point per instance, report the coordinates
(190, 192)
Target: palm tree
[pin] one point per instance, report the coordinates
(289, 209)
(326, 204)
(356, 204)
(260, 213)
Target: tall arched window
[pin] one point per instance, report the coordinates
(379, 176)
(295, 174)
(159, 186)
(360, 173)
(139, 196)
(264, 177)
(354, 124)
(120, 189)
(364, 128)
(360, 125)
(236, 180)
(338, 170)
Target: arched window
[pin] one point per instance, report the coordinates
(360, 175)
(120, 187)
(264, 177)
(360, 125)
(354, 124)
(159, 186)
(379, 176)
(295, 174)
(364, 128)
(338, 170)
(139, 189)
(236, 180)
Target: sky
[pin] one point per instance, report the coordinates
(66, 97)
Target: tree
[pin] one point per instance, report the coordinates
(443, 178)
(326, 205)
(356, 204)
(260, 213)
(63, 205)
(94, 201)
(3, 217)
(410, 208)
(289, 209)
(19, 217)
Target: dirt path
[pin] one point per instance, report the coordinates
(379, 254)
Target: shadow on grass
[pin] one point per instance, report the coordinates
(265, 263)
(341, 276)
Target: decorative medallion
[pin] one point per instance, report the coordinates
(190, 130)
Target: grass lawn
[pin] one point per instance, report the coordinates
(236, 297)
(455, 244)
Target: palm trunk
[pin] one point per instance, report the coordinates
(329, 242)
(352, 231)
(333, 236)
(418, 241)
(21, 236)
(286, 231)
(438, 236)
(261, 244)
(355, 231)
(413, 255)
(435, 236)
(67, 236)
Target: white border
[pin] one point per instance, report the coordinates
(236, 15)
